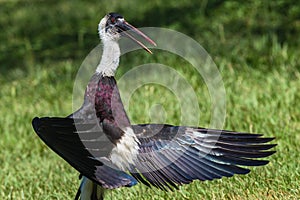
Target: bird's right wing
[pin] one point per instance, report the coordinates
(171, 155)
(84, 146)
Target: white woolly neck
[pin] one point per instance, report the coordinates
(110, 58)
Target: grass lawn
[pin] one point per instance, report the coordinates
(257, 54)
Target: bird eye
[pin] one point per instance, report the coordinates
(112, 20)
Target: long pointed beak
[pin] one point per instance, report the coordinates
(128, 29)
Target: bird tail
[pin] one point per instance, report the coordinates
(88, 190)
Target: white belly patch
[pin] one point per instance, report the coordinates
(126, 150)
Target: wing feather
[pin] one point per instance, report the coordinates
(177, 154)
(82, 149)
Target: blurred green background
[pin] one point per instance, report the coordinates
(255, 45)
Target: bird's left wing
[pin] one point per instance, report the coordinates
(84, 146)
(171, 155)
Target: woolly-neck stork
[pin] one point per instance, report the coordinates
(99, 141)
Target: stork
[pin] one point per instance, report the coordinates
(99, 141)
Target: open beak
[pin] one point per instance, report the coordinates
(127, 29)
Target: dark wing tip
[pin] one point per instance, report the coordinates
(36, 123)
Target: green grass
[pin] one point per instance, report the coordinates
(257, 54)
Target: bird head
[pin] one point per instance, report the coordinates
(113, 26)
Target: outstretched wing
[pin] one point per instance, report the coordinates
(171, 155)
(84, 146)
(168, 155)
